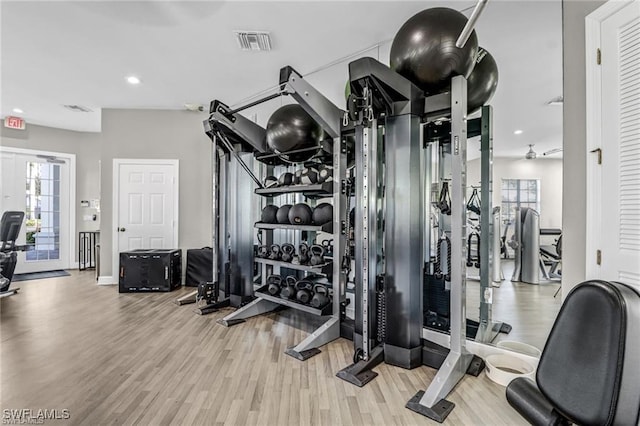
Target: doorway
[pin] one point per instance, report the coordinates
(41, 184)
(145, 205)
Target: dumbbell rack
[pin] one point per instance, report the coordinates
(330, 118)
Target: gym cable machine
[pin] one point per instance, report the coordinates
(242, 142)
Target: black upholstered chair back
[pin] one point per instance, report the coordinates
(589, 370)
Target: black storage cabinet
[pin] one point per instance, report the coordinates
(150, 270)
(199, 266)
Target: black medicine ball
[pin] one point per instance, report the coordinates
(269, 214)
(300, 214)
(323, 213)
(282, 216)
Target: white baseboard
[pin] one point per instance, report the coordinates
(106, 280)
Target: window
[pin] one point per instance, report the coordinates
(43, 211)
(519, 193)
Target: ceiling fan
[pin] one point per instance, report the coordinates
(532, 155)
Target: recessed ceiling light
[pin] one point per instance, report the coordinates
(18, 111)
(517, 132)
(132, 79)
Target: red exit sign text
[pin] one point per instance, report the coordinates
(14, 123)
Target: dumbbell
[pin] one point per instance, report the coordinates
(304, 291)
(317, 255)
(288, 288)
(274, 284)
(275, 252)
(288, 250)
(328, 247)
(321, 297)
(325, 173)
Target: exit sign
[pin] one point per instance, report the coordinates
(14, 123)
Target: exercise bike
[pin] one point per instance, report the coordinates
(10, 225)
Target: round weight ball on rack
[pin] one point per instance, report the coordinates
(323, 213)
(483, 81)
(325, 173)
(286, 179)
(309, 176)
(282, 215)
(300, 214)
(269, 214)
(290, 128)
(424, 49)
(270, 182)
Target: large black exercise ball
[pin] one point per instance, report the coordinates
(289, 128)
(424, 49)
(282, 215)
(483, 81)
(269, 214)
(323, 213)
(300, 214)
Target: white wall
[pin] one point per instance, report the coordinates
(574, 141)
(548, 171)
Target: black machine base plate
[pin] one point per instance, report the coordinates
(476, 366)
(351, 375)
(230, 323)
(213, 307)
(304, 355)
(505, 328)
(438, 412)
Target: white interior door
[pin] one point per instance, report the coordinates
(40, 185)
(145, 205)
(619, 174)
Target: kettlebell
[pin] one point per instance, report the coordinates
(269, 214)
(274, 282)
(303, 253)
(300, 214)
(275, 252)
(304, 291)
(320, 297)
(325, 173)
(282, 215)
(288, 288)
(263, 252)
(288, 251)
(317, 255)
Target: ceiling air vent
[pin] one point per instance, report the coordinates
(253, 40)
(78, 108)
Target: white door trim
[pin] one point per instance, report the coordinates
(594, 130)
(72, 193)
(117, 162)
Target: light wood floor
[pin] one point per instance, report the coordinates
(139, 359)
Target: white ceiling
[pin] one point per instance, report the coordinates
(79, 52)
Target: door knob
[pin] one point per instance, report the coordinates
(121, 229)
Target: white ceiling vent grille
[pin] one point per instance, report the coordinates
(78, 108)
(253, 40)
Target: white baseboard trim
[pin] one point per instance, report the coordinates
(106, 280)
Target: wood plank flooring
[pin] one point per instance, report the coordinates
(114, 358)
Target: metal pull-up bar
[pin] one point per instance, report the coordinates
(471, 23)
